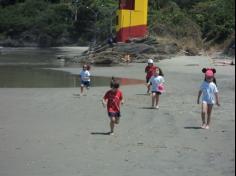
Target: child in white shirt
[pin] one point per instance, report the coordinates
(85, 78)
(157, 87)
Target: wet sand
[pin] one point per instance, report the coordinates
(58, 133)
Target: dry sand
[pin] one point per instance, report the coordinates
(53, 132)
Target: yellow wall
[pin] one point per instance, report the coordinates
(128, 18)
(141, 5)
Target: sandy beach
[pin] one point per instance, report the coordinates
(54, 132)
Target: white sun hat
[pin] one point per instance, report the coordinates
(150, 61)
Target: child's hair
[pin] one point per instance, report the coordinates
(116, 85)
(112, 82)
(88, 67)
(214, 80)
(160, 72)
(204, 70)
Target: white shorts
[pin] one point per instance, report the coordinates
(209, 102)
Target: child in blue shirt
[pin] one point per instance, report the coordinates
(209, 93)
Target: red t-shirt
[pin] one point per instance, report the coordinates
(114, 99)
(150, 70)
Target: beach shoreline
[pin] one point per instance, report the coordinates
(53, 131)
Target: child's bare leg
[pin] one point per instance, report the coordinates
(209, 110)
(157, 99)
(148, 89)
(117, 121)
(203, 114)
(81, 89)
(112, 124)
(153, 99)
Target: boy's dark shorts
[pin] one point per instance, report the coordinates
(114, 114)
(85, 83)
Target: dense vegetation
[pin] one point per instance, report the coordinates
(67, 22)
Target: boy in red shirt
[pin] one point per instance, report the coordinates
(150, 70)
(112, 99)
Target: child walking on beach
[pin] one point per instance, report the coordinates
(150, 70)
(112, 99)
(209, 93)
(85, 78)
(157, 83)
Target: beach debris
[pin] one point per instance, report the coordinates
(139, 52)
(223, 62)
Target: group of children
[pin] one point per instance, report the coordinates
(155, 83)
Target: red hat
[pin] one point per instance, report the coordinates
(209, 73)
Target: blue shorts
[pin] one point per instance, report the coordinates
(114, 114)
(85, 83)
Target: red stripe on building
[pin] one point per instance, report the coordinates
(131, 32)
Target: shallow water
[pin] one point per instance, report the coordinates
(36, 77)
(26, 68)
(28, 56)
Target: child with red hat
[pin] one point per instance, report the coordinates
(209, 93)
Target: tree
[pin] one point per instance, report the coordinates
(216, 18)
(7, 2)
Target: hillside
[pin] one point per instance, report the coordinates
(191, 24)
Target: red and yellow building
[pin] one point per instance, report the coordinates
(131, 19)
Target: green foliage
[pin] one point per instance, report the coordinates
(48, 21)
(187, 3)
(216, 18)
(173, 22)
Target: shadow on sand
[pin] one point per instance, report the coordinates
(101, 133)
(147, 108)
(143, 94)
(193, 128)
